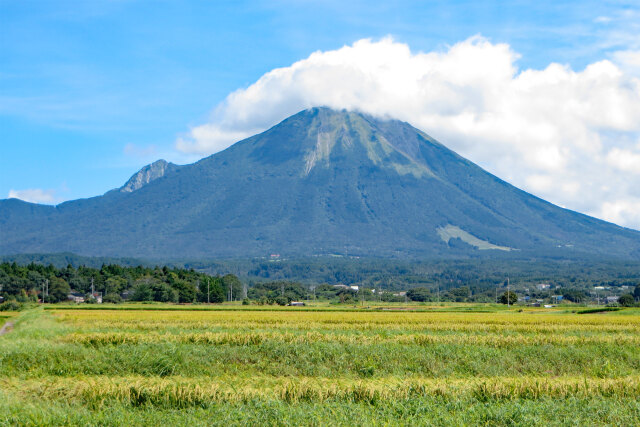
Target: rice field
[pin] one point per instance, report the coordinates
(303, 367)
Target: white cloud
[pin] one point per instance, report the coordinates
(622, 211)
(557, 132)
(624, 160)
(629, 60)
(34, 195)
(602, 20)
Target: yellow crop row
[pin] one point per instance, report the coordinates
(256, 338)
(183, 392)
(345, 318)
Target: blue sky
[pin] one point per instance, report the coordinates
(91, 91)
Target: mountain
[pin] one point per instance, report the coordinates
(320, 182)
(147, 174)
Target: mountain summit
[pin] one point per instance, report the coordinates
(320, 182)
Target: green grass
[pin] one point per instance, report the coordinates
(303, 367)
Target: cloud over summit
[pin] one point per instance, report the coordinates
(571, 137)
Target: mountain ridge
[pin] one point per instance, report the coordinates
(321, 181)
(147, 174)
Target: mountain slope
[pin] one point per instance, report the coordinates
(147, 174)
(320, 182)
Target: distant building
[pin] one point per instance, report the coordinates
(297, 304)
(612, 299)
(76, 297)
(355, 288)
(341, 286)
(97, 296)
(543, 286)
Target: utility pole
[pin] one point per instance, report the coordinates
(45, 289)
(508, 294)
(92, 289)
(207, 290)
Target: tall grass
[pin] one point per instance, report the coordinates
(159, 362)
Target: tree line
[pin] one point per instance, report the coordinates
(34, 282)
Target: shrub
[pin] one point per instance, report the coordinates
(11, 306)
(112, 298)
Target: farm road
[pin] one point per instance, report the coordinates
(6, 328)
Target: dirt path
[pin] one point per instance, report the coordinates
(6, 328)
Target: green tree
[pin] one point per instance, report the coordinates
(164, 293)
(509, 297)
(186, 291)
(574, 295)
(626, 300)
(230, 282)
(58, 290)
(142, 292)
(115, 285)
(419, 294)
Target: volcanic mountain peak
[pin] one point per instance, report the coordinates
(324, 136)
(320, 182)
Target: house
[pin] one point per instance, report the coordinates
(543, 286)
(297, 304)
(97, 296)
(354, 288)
(341, 286)
(76, 297)
(612, 299)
